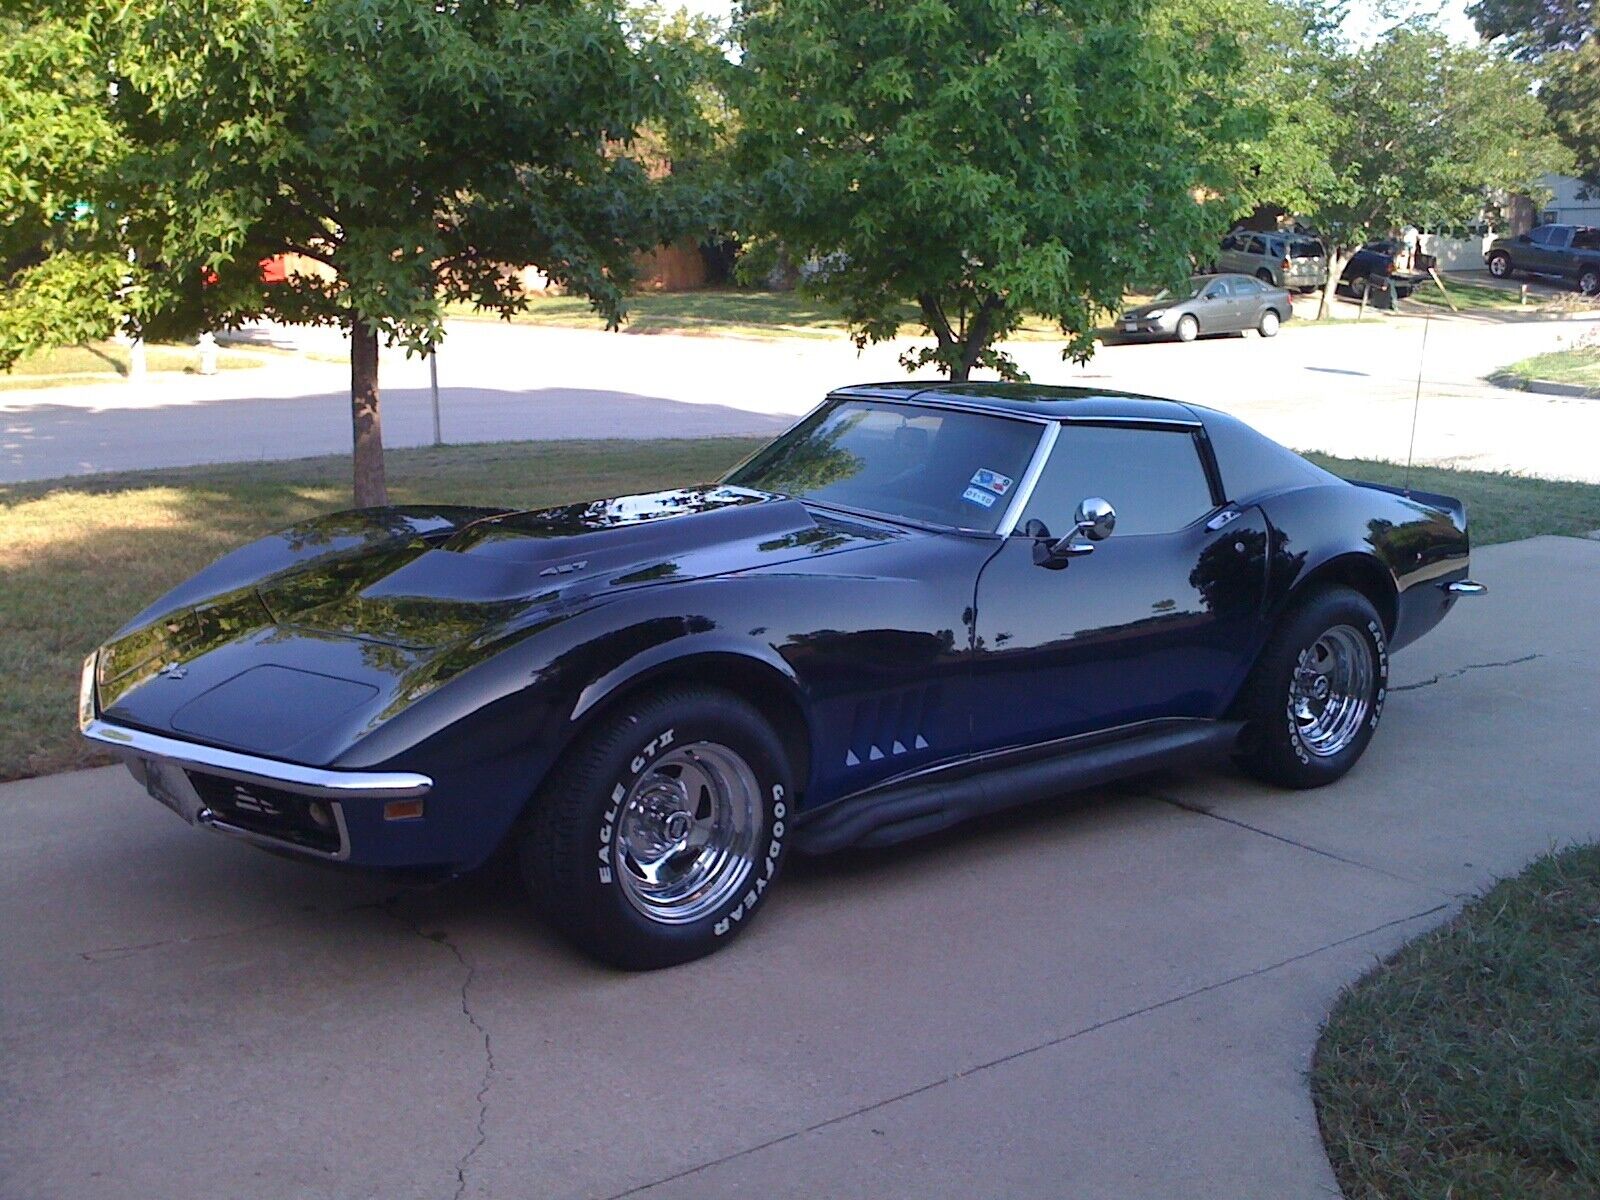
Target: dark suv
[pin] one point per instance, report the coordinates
(1570, 252)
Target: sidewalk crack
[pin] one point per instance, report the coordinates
(979, 1068)
(1456, 674)
(1201, 811)
(442, 938)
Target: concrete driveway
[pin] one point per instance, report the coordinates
(1347, 388)
(1111, 998)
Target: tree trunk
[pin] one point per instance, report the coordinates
(1338, 260)
(960, 369)
(366, 427)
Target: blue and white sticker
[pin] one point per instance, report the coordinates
(997, 483)
(979, 496)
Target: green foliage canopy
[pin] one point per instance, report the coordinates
(1422, 131)
(982, 159)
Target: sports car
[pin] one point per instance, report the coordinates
(923, 602)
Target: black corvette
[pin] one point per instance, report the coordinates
(909, 609)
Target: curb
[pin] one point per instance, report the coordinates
(1544, 387)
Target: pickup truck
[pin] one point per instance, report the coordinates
(1380, 259)
(1570, 252)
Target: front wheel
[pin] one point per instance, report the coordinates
(1268, 325)
(1188, 328)
(657, 837)
(1317, 692)
(1500, 265)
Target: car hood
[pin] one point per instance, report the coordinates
(1169, 305)
(380, 611)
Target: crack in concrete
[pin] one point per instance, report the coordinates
(1201, 811)
(1456, 674)
(979, 1068)
(112, 953)
(486, 1081)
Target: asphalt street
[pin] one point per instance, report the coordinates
(1348, 389)
(1115, 996)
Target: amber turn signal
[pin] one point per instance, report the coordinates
(403, 810)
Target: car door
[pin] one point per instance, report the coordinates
(1256, 256)
(1159, 620)
(1230, 257)
(1534, 254)
(1249, 299)
(1216, 307)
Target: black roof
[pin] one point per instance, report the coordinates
(1030, 399)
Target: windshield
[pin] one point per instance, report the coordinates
(1188, 292)
(927, 465)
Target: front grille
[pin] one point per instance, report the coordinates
(269, 811)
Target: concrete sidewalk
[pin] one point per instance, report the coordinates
(1112, 998)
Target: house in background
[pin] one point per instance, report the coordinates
(1570, 203)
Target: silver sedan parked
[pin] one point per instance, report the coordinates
(1210, 304)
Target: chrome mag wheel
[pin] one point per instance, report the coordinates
(1331, 692)
(688, 833)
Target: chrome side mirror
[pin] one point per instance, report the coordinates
(1095, 518)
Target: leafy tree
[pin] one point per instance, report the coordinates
(1423, 130)
(982, 159)
(60, 272)
(1558, 38)
(414, 152)
(1571, 94)
(1533, 28)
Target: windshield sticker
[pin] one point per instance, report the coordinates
(978, 496)
(997, 483)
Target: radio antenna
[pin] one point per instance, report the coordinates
(1416, 402)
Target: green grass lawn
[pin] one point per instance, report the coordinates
(1467, 1064)
(1500, 507)
(720, 313)
(1579, 365)
(68, 365)
(79, 556)
(1493, 298)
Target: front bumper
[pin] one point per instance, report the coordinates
(1166, 325)
(279, 805)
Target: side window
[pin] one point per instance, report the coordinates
(1216, 289)
(1231, 242)
(1152, 477)
(1541, 235)
(1258, 245)
(1247, 287)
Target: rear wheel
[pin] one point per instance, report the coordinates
(657, 837)
(1500, 265)
(1589, 281)
(1188, 328)
(1317, 692)
(1266, 277)
(1268, 325)
(1358, 286)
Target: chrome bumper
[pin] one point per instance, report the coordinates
(143, 752)
(290, 777)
